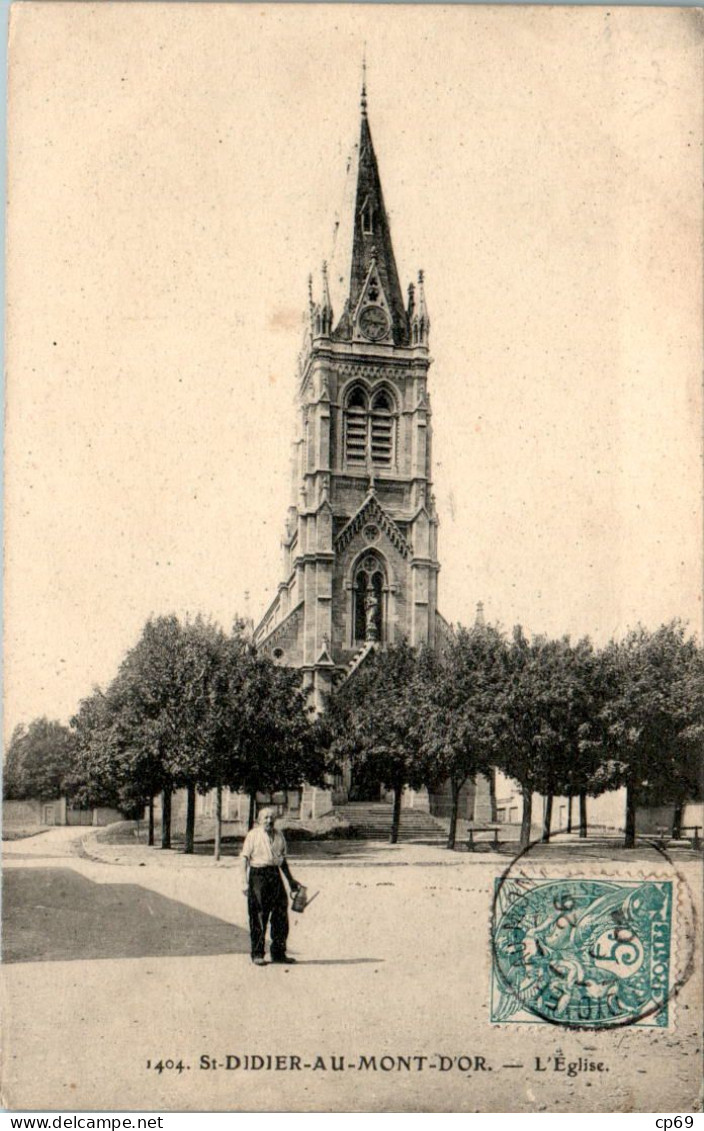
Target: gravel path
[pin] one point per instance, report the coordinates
(394, 963)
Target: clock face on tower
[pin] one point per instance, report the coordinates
(374, 323)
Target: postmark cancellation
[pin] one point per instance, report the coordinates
(584, 953)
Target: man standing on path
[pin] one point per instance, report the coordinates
(263, 860)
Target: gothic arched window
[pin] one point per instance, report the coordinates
(369, 430)
(369, 600)
(356, 427)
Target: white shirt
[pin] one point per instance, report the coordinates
(262, 850)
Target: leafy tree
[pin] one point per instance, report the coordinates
(537, 708)
(654, 716)
(39, 760)
(226, 722)
(153, 699)
(193, 707)
(590, 769)
(12, 781)
(257, 732)
(463, 727)
(195, 673)
(277, 744)
(116, 760)
(574, 761)
(377, 720)
(94, 780)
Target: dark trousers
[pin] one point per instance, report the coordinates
(267, 902)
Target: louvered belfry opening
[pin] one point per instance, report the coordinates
(369, 431)
(382, 427)
(356, 427)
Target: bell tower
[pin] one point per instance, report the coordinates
(360, 566)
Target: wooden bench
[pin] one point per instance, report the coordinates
(472, 829)
(695, 840)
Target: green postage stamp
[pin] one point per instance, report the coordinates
(582, 953)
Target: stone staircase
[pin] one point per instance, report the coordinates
(343, 674)
(371, 820)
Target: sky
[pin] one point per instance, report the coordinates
(175, 172)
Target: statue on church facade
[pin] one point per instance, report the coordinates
(371, 610)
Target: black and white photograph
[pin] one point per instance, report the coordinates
(354, 679)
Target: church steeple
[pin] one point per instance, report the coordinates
(373, 276)
(360, 562)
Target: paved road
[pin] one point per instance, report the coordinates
(394, 962)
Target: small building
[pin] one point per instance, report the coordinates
(54, 811)
(608, 811)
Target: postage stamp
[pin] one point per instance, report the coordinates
(583, 953)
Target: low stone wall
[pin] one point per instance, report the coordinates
(22, 812)
(102, 815)
(658, 817)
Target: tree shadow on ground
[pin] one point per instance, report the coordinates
(56, 915)
(338, 961)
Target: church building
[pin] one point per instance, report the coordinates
(360, 561)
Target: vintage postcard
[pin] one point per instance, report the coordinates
(353, 558)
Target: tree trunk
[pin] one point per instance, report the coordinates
(190, 819)
(166, 818)
(218, 822)
(151, 821)
(677, 819)
(569, 813)
(629, 840)
(583, 815)
(527, 816)
(252, 809)
(547, 818)
(396, 814)
(492, 795)
(452, 831)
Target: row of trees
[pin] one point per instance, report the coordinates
(561, 719)
(192, 708)
(196, 708)
(39, 758)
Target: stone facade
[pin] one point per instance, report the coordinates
(360, 558)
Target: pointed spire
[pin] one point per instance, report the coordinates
(311, 304)
(326, 307)
(420, 322)
(371, 236)
(326, 285)
(363, 101)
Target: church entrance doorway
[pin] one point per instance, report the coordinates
(365, 786)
